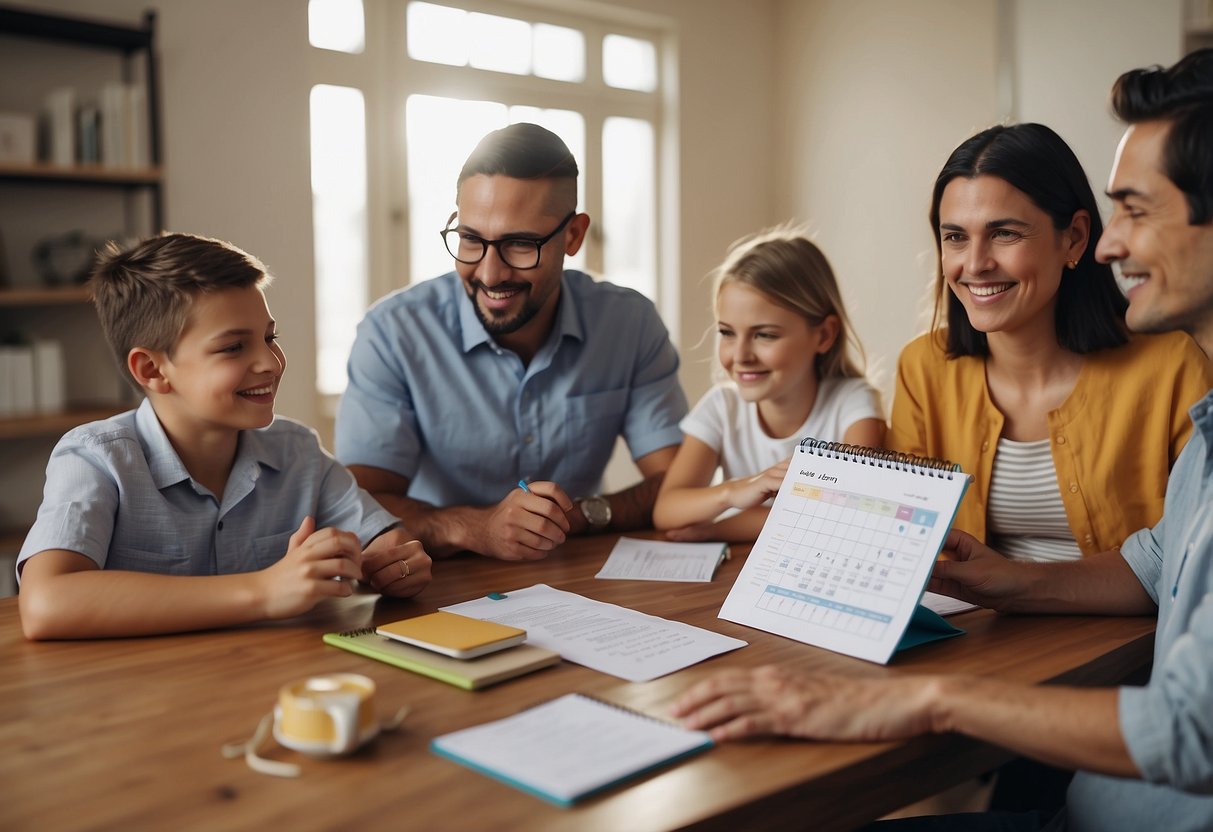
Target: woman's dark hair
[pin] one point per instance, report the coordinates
(1090, 311)
(1182, 95)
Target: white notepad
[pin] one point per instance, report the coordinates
(570, 748)
(847, 549)
(633, 559)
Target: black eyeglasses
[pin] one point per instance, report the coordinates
(520, 253)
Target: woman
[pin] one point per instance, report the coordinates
(1067, 423)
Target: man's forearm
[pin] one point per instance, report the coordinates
(442, 531)
(1068, 727)
(1101, 584)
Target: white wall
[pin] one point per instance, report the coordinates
(1066, 56)
(872, 96)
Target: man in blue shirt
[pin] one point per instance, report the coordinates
(1144, 754)
(510, 369)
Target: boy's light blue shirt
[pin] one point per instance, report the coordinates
(433, 398)
(117, 492)
(1168, 724)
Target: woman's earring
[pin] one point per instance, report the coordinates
(1071, 264)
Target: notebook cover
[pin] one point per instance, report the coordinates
(519, 772)
(451, 633)
(469, 674)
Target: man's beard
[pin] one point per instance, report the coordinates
(504, 326)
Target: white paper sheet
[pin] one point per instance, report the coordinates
(945, 604)
(663, 560)
(604, 637)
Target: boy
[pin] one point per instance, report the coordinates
(176, 516)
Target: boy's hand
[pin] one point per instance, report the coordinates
(396, 565)
(305, 574)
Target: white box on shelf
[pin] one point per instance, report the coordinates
(138, 154)
(113, 102)
(18, 138)
(61, 126)
(50, 388)
(22, 361)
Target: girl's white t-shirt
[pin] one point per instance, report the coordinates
(729, 425)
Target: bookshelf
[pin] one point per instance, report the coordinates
(39, 201)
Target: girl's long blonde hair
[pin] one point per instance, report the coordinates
(786, 267)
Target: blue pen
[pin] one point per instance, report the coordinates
(1179, 574)
(522, 485)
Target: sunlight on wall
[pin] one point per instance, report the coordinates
(337, 25)
(338, 117)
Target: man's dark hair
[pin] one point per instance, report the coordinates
(1183, 96)
(1090, 309)
(521, 151)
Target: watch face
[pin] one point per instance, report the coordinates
(597, 511)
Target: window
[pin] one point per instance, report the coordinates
(433, 79)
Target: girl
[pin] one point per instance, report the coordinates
(782, 342)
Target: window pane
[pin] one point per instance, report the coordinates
(440, 134)
(559, 53)
(629, 63)
(338, 116)
(437, 34)
(501, 44)
(628, 204)
(336, 25)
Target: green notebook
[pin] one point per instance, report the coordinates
(469, 674)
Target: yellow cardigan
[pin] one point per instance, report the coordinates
(1114, 439)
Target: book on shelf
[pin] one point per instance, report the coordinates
(61, 126)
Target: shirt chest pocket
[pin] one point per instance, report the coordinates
(591, 424)
(263, 552)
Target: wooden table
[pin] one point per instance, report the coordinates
(125, 734)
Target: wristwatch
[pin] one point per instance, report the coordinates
(597, 512)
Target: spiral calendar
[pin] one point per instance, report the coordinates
(847, 549)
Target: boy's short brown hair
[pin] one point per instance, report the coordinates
(143, 293)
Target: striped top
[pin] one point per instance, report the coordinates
(1026, 516)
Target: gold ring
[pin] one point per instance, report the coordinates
(404, 570)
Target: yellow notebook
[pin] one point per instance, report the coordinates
(454, 635)
(469, 674)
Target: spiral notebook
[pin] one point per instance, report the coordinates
(570, 748)
(847, 549)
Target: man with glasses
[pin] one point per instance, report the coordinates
(483, 405)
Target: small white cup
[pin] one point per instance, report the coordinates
(326, 716)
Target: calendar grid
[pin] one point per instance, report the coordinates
(842, 560)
